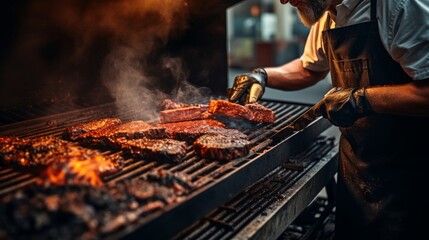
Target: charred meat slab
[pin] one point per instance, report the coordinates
(33, 153)
(137, 129)
(190, 130)
(261, 113)
(154, 149)
(59, 162)
(181, 114)
(71, 133)
(132, 130)
(229, 109)
(168, 104)
(222, 147)
(12, 149)
(251, 112)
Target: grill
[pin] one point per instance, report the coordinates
(58, 68)
(215, 182)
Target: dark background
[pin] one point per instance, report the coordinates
(83, 49)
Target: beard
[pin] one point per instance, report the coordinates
(312, 11)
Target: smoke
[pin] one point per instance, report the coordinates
(91, 47)
(136, 68)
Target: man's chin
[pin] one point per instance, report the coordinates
(309, 17)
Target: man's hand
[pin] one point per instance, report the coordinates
(342, 107)
(241, 90)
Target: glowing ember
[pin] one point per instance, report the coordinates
(82, 170)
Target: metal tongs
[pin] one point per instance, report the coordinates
(255, 93)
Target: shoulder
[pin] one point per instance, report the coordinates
(396, 16)
(404, 31)
(389, 10)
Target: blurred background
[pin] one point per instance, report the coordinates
(263, 33)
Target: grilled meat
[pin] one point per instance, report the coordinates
(106, 137)
(190, 130)
(137, 129)
(33, 153)
(11, 149)
(71, 133)
(167, 104)
(181, 114)
(261, 113)
(229, 109)
(251, 112)
(221, 146)
(154, 149)
(62, 162)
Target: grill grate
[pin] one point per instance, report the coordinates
(208, 176)
(202, 171)
(230, 218)
(13, 115)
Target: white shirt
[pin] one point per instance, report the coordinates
(403, 27)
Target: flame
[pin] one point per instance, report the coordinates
(76, 171)
(79, 170)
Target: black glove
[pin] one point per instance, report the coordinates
(342, 107)
(242, 84)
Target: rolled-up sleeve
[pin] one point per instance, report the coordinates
(314, 57)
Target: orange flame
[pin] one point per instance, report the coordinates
(74, 172)
(80, 170)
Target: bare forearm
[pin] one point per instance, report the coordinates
(292, 76)
(407, 99)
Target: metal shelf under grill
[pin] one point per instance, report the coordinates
(281, 195)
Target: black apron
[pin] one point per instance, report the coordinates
(384, 164)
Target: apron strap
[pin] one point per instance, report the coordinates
(328, 22)
(373, 10)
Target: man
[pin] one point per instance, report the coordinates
(377, 52)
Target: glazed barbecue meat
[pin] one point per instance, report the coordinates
(71, 133)
(33, 153)
(252, 112)
(11, 148)
(106, 137)
(61, 162)
(154, 149)
(222, 146)
(190, 130)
